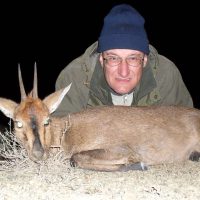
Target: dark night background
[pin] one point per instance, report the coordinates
(52, 34)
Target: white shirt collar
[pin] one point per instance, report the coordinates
(125, 100)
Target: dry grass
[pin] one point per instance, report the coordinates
(52, 179)
(11, 150)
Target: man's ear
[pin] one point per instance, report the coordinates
(101, 59)
(145, 60)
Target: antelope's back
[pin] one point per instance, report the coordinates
(120, 124)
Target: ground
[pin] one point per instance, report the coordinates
(55, 179)
(59, 181)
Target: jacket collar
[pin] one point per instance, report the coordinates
(99, 87)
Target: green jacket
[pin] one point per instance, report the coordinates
(161, 83)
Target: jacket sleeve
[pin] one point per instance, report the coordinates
(76, 98)
(172, 88)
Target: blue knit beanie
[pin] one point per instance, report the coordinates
(123, 29)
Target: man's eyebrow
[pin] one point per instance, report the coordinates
(136, 54)
(110, 53)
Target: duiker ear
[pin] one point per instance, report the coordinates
(7, 107)
(53, 100)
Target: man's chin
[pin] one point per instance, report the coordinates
(122, 91)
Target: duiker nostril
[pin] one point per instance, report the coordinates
(38, 154)
(38, 150)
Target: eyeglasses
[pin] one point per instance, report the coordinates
(133, 61)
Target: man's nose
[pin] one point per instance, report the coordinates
(123, 69)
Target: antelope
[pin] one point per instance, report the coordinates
(105, 138)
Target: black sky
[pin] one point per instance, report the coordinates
(52, 34)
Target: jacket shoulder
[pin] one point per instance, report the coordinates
(81, 68)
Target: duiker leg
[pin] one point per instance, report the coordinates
(107, 160)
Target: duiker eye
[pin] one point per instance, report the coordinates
(18, 124)
(46, 121)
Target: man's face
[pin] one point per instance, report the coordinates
(123, 68)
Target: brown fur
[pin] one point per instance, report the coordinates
(152, 135)
(23, 113)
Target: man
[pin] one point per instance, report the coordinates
(122, 68)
